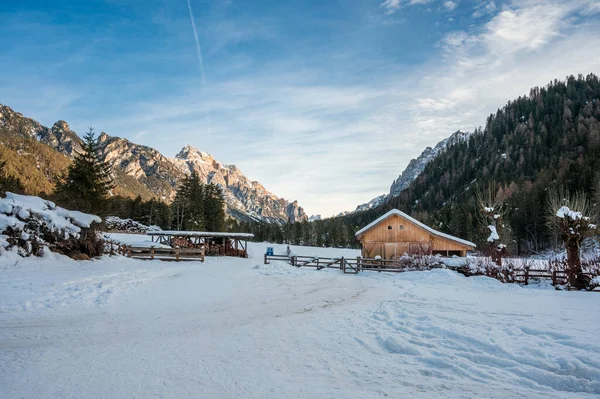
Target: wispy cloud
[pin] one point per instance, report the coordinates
(450, 5)
(392, 6)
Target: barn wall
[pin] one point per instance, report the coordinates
(410, 233)
(375, 239)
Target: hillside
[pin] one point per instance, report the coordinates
(412, 171)
(549, 138)
(138, 169)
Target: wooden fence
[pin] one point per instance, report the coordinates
(167, 254)
(347, 265)
(356, 265)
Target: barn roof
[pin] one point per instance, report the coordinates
(415, 221)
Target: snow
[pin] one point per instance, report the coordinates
(128, 225)
(200, 234)
(488, 209)
(55, 217)
(235, 328)
(564, 212)
(493, 234)
(137, 240)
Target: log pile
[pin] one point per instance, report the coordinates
(114, 223)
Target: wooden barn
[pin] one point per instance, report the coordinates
(395, 233)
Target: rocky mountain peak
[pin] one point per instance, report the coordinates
(416, 166)
(61, 127)
(192, 154)
(413, 170)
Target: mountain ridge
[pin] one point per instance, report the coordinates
(143, 170)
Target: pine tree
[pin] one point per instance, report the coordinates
(188, 206)
(9, 183)
(88, 183)
(214, 208)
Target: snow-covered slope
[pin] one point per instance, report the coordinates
(416, 166)
(235, 328)
(412, 171)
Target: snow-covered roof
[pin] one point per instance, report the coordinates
(199, 234)
(415, 221)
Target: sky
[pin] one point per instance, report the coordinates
(324, 102)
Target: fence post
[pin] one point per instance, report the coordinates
(266, 260)
(343, 264)
(177, 255)
(554, 277)
(202, 253)
(152, 253)
(359, 263)
(129, 251)
(526, 276)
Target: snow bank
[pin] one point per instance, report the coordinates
(27, 222)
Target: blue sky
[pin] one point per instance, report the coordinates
(325, 102)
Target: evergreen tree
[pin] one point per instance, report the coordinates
(9, 183)
(214, 208)
(188, 206)
(87, 184)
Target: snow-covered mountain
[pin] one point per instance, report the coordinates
(416, 166)
(412, 171)
(143, 170)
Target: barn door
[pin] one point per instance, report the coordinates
(390, 250)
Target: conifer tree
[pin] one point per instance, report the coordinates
(9, 183)
(188, 206)
(214, 208)
(88, 183)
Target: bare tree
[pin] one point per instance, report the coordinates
(492, 212)
(571, 219)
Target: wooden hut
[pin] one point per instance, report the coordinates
(395, 233)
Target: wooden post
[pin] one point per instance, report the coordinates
(152, 253)
(202, 253)
(526, 276)
(554, 277)
(177, 251)
(266, 260)
(343, 264)
(129, 251)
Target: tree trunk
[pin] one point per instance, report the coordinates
(574, 270)
(496, 255)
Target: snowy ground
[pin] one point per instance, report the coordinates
(235, 328)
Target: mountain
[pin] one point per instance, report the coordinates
(412, 171)
(416, 166)
(140, 170)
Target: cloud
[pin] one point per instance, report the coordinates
(450, 5)
(484, 8)
(392, 6)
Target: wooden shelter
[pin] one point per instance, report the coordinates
(395, 233)
(214, 243)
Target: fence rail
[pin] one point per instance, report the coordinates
(167, 254)
(346, 265)
(356, 265)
